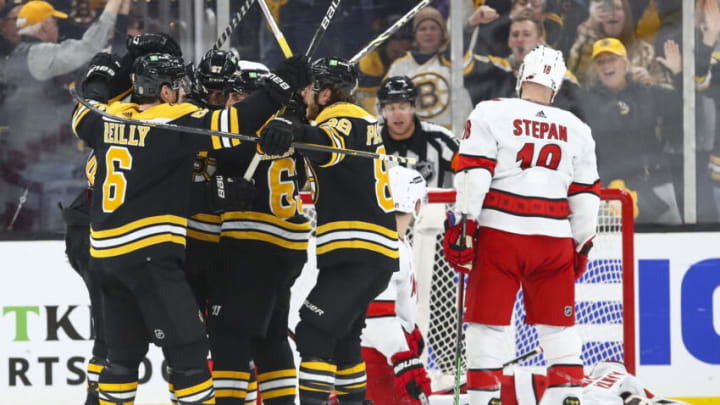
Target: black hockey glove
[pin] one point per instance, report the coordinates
(144, 44)
(231, 194)
(279, 134)
(290, 75)
(112, 70)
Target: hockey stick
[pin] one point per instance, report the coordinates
(246, 138)
(234, 22)
(386, 34)
(531, 353)
(279, 37)
(314, 43)
(461, 243)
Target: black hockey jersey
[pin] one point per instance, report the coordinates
(141, 199)
(355, 221)
(275, 223)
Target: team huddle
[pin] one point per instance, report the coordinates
(192, 241)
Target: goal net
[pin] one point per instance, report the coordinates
(604, 294)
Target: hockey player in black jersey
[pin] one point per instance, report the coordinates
(404, 134)
(250, 298)
(139, 212)
(357, 241)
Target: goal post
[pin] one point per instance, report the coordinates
(604, 305)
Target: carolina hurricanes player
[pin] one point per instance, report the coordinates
(391, 342)
(527, 182)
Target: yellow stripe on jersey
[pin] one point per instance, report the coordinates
(137, 245)
(318, 365)
(252, 235)
(356, 225)
(358, 244)
(337, 142)
(140, 223)
(228, 393)
(204, 236)
(212, 218)
(234, 126)
(343, 110)
(120, 96)
(90, 170)
(262, 217)
(215, 126)
(236, 375)
(81, 111)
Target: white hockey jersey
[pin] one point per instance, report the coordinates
(528, 168)
(393, 312)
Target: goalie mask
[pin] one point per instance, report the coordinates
(408, 187)
(543, 65)
(152, 71)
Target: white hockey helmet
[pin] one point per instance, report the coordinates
(543, 65)
(408, 187)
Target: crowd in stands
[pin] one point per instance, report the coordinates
(624, 79)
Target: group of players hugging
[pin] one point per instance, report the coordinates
(185, 243)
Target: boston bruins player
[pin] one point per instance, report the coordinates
(250, 298)
(357, 242)
(139, 216)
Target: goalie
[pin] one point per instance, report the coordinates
(391, 342)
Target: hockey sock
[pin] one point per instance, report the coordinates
(484, 376)
(317, 378)
(231, 386)
(192, 387)
(562, 347)
(252, 389)
(351, 383)
(117, 385)
(94, 368)
(278, 387)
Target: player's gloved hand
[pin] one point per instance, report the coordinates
(144, 44)
(411, 379)
(110, 69)
(581, 259)
(415, 341)
(458, 253)
(290, 75)
(279, 134)
(231, 194)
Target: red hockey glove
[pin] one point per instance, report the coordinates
(411, 379)
(457, 253)
(415, 341)
(581, 260)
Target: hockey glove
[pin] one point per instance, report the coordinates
(144, 44)
(458, 253)
(425, 169)
(111, 70)
(231, 194)
(279, 134)
(581, 259)
(290, 75)
(415, 341)
(411, 379)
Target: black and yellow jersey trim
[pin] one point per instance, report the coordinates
(327, 120)
(81, 111)
(205, 227)
(265, 227)
(223, 120)
(357, 235)
(137, 235)
(91, 169)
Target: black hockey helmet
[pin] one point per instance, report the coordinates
(150, 72)
(248, 78)
(214, 70)
(334, 73)
(396, 88)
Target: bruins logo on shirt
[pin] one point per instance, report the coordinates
(433, 94)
